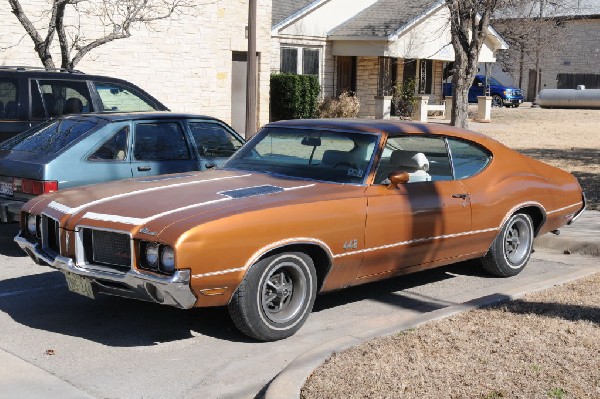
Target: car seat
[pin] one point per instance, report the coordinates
(73, 105)
(415, 163)
(333, 158)
(11, 109)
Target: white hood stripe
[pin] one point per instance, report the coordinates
(65, 209)
(142, 221)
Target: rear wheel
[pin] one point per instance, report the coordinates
(511, 249)
(276, 296)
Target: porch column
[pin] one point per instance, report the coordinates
(383, 107)
(420, 111)
(484, 109)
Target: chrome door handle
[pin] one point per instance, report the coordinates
(463, 196)
(144, 168)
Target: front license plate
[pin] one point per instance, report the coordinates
(79, 284)
(6, 189)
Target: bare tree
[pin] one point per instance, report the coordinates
(118, 17)
(469, 24)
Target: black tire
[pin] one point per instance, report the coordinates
(275, 297)
(511, 249)
(497, 101)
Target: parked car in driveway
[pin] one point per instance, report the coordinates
(507, 96)
(83, 149)
(305, 207)
(29, 96)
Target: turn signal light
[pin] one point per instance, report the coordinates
(37, 187)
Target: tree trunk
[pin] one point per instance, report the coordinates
(460, 101)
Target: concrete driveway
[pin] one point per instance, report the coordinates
(56, 343)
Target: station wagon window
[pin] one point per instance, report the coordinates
(467, 159)
(9, 105)
(113, 149)
(51, 138)
(61, 97)
(116, 98)
(160, 141)
(213, 140)
(424, 158)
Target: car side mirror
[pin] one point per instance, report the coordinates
(397, 178)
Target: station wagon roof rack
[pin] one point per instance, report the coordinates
(31, 68)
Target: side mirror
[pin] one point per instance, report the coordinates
(397, 178)
(479, 84)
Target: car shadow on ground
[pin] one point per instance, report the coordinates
(390, 291)
(42, 301)
(555, 310)
(8, 246)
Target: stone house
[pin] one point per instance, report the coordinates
(192, 63)
(572, 59)
(366, 46)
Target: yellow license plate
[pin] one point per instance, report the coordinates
(79, 284)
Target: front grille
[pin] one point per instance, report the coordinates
(50, 236)
(518, 92)
(107, 248)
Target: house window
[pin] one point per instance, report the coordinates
(301, 61)
(387, 76)
(426, 77)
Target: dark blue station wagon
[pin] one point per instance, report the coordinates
(84, 149)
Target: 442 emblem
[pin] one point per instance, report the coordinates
(352, 244)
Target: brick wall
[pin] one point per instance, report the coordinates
(185, 62)
(367, 73)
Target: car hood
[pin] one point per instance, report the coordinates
(504, 87)
(151, 204)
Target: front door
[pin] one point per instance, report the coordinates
(421, 221)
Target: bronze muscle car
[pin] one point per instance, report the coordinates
(305, 207)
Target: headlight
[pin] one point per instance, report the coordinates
(152, 255)
(32, 225)
(167, 259)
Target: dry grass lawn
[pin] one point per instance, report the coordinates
(546, 345)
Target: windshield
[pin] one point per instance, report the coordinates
(49, 138)
(339, 157)
(493, 81)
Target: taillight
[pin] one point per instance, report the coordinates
(37, 187)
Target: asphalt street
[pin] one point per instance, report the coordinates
(113, 347)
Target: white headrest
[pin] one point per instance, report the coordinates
(410, 159)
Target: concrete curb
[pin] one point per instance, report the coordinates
(582, 237)
(290, 381)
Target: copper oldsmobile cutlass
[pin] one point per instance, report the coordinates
(305, 207)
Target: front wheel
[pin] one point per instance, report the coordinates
(497, 101)
(512, 248)
(275, 297)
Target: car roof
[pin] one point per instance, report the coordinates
(379, 125)
(42, 73)
(130, 116)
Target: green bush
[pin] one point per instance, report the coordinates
(294, 96)
(405, 98)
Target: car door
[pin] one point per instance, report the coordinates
(214, 142)
(418, 222)
(477, 89)
(161, 147)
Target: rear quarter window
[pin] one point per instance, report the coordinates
(9, 105)
(49, 138)
(117, 98)
(468, 159)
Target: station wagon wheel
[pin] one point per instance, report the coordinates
(497, 101)
(275, 297)
(511, 249)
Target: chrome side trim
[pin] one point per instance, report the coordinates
(418, 240)
(564, 207)
(218, 273)
(579, 212)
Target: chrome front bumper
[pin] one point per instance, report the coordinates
(172, 290)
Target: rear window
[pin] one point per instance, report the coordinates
(49, 138)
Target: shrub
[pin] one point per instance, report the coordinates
(346, 105)
(293, 96)
(405, 98)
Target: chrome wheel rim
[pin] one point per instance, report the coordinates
(283, 292)
(517, 241)
(496, 101)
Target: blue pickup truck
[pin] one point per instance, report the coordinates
(507, 96)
